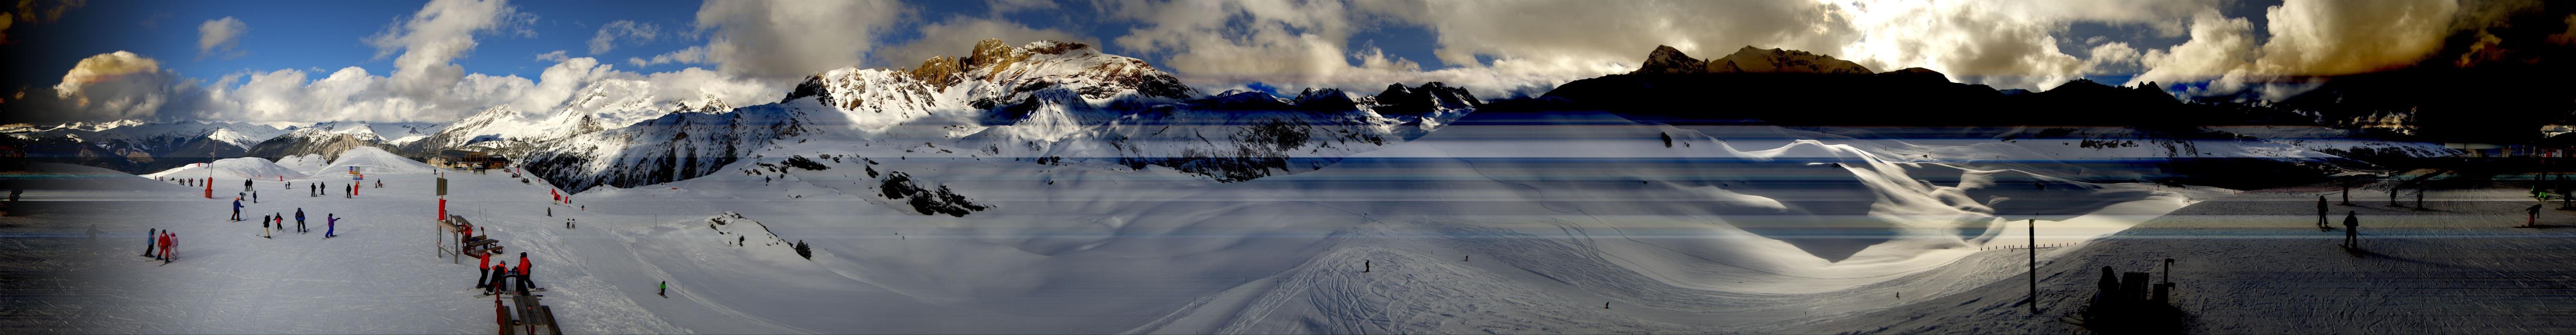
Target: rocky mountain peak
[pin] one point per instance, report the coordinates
(1667, 60)
(1776, 60)
(1429, 99)
(938, 71)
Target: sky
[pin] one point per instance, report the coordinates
(440, 60)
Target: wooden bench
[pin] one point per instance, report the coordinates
(536, 317)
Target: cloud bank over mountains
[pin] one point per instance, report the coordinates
(753, 50)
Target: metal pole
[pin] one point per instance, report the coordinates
(2034, 266)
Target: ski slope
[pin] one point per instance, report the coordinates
(1461, 230)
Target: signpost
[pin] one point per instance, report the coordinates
(356, 179)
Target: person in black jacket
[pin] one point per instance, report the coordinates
(2351, 231)
(2321, 214)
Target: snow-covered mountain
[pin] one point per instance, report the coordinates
(318, 140)
(1045, 102)
(137, 146)
(512, 132)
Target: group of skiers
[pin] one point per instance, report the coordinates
(163, 241)
(330, 224)
(494, 279)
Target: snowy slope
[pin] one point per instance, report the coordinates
(233, 168)
(373, 161)
(306, 164)
(1702, 232)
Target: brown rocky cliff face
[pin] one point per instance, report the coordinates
(938, 71)
(991, 57)
(1751, 60)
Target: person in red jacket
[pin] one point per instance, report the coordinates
(483, 272)
(169, 241)
(524, 282)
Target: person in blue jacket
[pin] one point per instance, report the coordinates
(331, 225)
(237, 209)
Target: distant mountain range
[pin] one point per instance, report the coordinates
(1050, 101)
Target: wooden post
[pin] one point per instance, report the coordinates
(2034, 266)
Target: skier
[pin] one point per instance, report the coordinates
(149, 236)
(245, 184)
(666, 289)
(237, 210)
(2535, 216)
(2351, 230)
(524, 282)
(2419, 198)
(166, 257)
(330, 225)
(483, 272)
(1364, 266)
(299, 221)
(2321, 213)
(254, 197)
(263, 222)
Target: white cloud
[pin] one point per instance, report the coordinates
(622, 29)
(221, 37)
(1531, 45)
(554, 56)
(117, 85)
(691, 55)
(2111, 58)
(2309, 38)
(958, 34)
(2219, 46)
(430, 39)
(2006, 44)
(793, 39)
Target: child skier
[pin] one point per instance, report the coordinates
(150, 237)
(331, 225)
(499, 278)
(237, 209)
